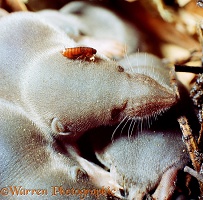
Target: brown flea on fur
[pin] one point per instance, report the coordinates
(86, 53)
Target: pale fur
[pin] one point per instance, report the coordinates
(139, 162)
(45, 87)
(82, 95)
(29, 160)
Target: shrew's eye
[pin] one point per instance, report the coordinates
(120, 69)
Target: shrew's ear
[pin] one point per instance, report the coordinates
(58, 128)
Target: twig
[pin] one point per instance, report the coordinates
(194, 173)
(200, 31)
(190, 142)
(190, 69)
(189, 139)
(191, 147)
(200, 139)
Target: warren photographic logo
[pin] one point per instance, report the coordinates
(56, 191)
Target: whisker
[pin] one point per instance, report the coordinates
(150, 120)
(129, 63)
(117, 128)
(144, 123)
(147, 121)
(145, 59)
(134, 122)
(129, 128)
(155, 116)
(141, 124)
(138, 126)
(124, 126)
